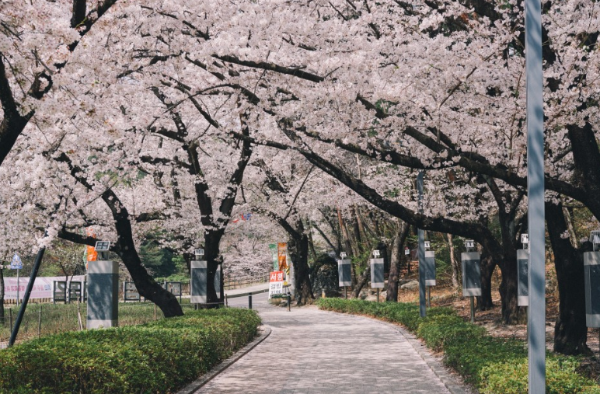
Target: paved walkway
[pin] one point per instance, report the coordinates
(312, 351)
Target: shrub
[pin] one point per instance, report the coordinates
(493, 365)
(511, 377)
(157, 357)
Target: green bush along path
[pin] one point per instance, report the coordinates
(492, 365)
(156, 357)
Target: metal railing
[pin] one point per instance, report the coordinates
(251, 293)
(230, 284)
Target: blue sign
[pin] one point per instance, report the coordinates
(16, 263)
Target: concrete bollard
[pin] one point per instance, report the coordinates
(199, 275)
(103, 294)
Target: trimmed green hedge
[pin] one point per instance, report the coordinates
(157, 357)
(492, 365)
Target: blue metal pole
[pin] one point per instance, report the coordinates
(422, 297)
(535, 190)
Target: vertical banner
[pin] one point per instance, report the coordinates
(282, 256)
(92, 255)
(273, 249)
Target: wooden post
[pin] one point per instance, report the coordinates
(40, 322)
(79, 316)
(10, 317)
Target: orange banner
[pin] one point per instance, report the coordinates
(92, 255)
(282, 255)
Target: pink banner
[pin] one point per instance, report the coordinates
(41, 289)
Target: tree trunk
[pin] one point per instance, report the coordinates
(145, 284)
(454, 262)
(570, 332)
(396, 262)
(362, 281)
(298, 249)
(484, 302)
(13, 123)
(212, 255)
(508, 288)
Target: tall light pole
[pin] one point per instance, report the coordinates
(535, 192)
(422, 299)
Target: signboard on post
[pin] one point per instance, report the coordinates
(275, 283)
(16, 263)
(130, 292)
(377, 273)
(429, 268)
(344, 272)
(471, 274)
(591, 270)
(75, 291)
(523, 277)
(59, 292)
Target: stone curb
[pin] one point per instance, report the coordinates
(198, 383)
(434, 364)
(451, 383)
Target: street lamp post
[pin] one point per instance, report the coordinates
(535, 192)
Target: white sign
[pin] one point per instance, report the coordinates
(427, 245)
(407, 251)
(469, 243)
(199, 252)
(276, 283)
(376, 253)
(524, 238)
(343, 255)
(16, 263)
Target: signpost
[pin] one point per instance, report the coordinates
(591, 270)
(17, 264)
(429, 270)
(523, 272)
(344, 272)
(471, 271)
(377, 280)
(130, 292)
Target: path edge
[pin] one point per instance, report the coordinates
(197, 384)
(449, 381)
(434, 364)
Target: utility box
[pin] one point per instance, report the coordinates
(198, 282)
(471, 274)
(429, 268)
(377, 274)
(523, 277)
(344, 272)
(591, 267)
(103, 294)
